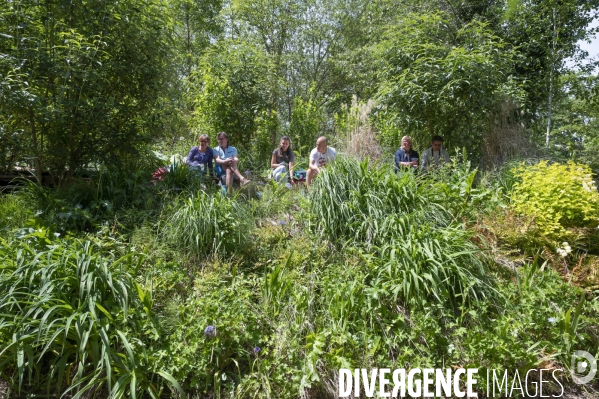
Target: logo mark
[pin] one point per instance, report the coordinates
(578, 367)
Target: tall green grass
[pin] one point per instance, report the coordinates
(72, 320)
(208, 224)
(367, 205)
(422, 253)
(14, 211)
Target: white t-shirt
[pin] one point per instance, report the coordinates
(321, 159)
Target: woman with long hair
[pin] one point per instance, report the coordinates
(282, 160)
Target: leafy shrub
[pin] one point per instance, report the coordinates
(206, 224)
(545, 319)
(72, 317)
(306, 121)
(85, 203)
(214, 333)
(275, 199)
(557, 196)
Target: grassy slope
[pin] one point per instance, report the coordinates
(368, 270)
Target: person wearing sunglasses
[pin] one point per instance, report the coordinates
(201, 157)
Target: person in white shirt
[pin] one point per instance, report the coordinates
(320, 157)
(434, 156)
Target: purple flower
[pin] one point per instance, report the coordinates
(282, 222)
(210, 332)
(257, 350)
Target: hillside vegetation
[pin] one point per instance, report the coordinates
(269, 295)
(123, 274)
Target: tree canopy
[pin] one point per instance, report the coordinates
(96, 82)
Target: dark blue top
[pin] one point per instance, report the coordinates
(197, 158)
(402, 156)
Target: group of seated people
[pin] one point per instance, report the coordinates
(407, 158)
(202, 158)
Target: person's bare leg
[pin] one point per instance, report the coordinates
(239, 175)
(229, 178)
(310, 176)
(241, 178)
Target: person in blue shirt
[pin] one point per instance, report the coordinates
(226, 160)
(406, 158)
(201, 157)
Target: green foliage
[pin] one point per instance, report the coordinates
(76, 321)
(546, 318)
(86, 203)
(14, 211)
(82, 84)
(546, 34)
(305, 125)
(208, 224)
(575, 120)
(558, 196)
(228, 91)
(196, 22)
(261, 147)
(180, 177)
(436, 80)
(423, 254)
(205, 362)
(367, 269)
(276, 199)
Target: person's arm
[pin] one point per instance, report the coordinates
(398, 161)
(217, 159)
(222, 162)
(190, 156)
(273, 161)
(313, 165)
(414, 154)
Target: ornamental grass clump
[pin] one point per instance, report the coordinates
(75, 322)
(369, 206)
(557, 196)
(208, 224)
(422, 253)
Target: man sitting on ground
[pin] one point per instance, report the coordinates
(434, 156)
(320, 157)
(226, 160)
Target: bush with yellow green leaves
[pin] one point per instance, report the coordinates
(557, 196)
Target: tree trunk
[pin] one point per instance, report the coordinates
(551, 70)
